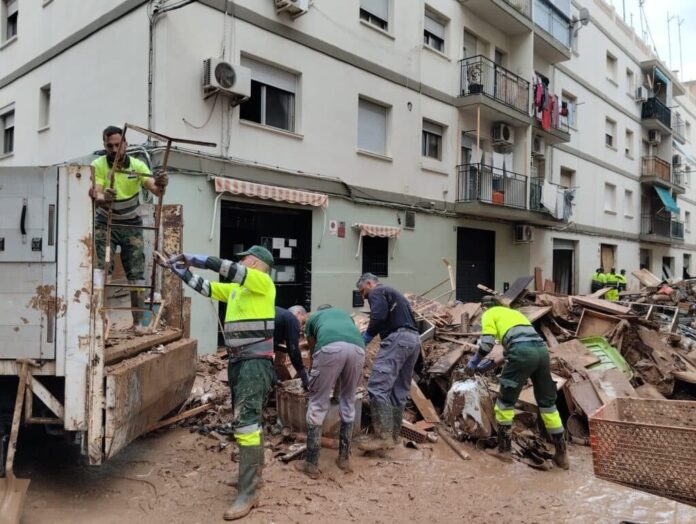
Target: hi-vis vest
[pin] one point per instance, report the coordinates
(250, 314)
(127, 183)
(508, 326)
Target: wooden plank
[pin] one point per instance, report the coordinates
(445, 363)
(538, 279)
(601, 305)
(181, 416)
(46, 397)
(534, 313)
(685, 376)
(172, 243)
(595, 324)
(611, 384)
(549, 336)
(585, 397)
(452, 444)
(425, 407)
(131, 347)
(646, 278)
(143, 389)
(600, 292)
(517, 287)
(549, 286)
(649, 391)
(575, 353)
(527, 394)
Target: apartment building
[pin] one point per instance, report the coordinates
(380, 135)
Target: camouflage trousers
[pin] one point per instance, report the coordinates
(250, 381)
(132, 254)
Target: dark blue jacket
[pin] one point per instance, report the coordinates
(287, 331)
(389, 311)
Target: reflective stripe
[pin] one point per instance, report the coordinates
(503, 415)
(198, 283)
(248, 429)
(122, 210)
(552, 420)
(248, 439)
(225, 268)
(245, 332)
(519, 334)
(239, 274)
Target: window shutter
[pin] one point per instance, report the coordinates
(270, 75)
(432, 128)
(12, 7)
(432, 25)
(378, 8)
(372, 127)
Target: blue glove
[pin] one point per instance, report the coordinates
(179, 268)
(474, 361)
(367, 338)
(190, 260)
(485, 365)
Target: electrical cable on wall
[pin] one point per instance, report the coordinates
(207, 120)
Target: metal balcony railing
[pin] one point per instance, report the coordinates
(662, 227)
(551, 21)
(656, 167)
(654, 108)
(480, 75)
(491, 184)
(679, 129)
(535, 187)
(523, 6)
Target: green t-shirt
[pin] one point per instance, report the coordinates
(332, 325)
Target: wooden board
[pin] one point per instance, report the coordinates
(685, 376)
(534, 313)
(649, 391)
(551, 340)
(646, 278)
(425, 407)
(600, 292)
(575, 354)
(458, 311)
(549, 286)
(595, 324)
(143, 389)
(611, 384)
(517, 287)
(527, 394)
(445, 362)
(538, 279)
(601, 305)
(585, 397)
(172, 243)
(131, 347)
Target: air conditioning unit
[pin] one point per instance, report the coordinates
(654, 136)
(502, 134)
(294, 8)
(641, 94)
(410, 220)
(227, 79)
(524, 234)
(538, 147)
(676, 160)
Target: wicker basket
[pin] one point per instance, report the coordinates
(648, 445)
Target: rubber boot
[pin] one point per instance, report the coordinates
(344, 438)
(382, 423)
(503, 451)
(136, 300)
(310, 465)
(560, 458)
(247, 497)
(261, 460)
(397, 419)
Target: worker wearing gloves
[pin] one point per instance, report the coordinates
(338, 356)
(526, 356)
(613, 282)
(623, 281)
(248, 334)
(389, 384)
(288, 324)
(599, 280)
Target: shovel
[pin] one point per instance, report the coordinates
(13, 490)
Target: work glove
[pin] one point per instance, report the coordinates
(305, 379)
(179, 268)
(161, 180)
(188, 260)
(485, 365)
(474, 362)
(367, 338)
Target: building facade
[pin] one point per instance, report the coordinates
(381, 135)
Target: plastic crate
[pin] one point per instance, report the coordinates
(609, 357)
(647, 444)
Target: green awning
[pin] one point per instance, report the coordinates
(667, 200)
(660, 76)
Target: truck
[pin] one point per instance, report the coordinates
(62, 362)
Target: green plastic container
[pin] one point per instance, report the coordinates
(609, 356)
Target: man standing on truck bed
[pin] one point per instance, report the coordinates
(248, 334)
(130, 175)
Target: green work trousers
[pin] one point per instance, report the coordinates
(250, 381)
(132, 254)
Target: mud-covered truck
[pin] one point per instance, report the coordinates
(63, 344)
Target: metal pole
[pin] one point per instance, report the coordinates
(624, 10)
(681, 62)
(669, 40)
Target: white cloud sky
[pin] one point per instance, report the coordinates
(656, 15)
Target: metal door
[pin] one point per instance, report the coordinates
(28, 211)
(475, 262)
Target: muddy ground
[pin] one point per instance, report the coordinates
(176, 477)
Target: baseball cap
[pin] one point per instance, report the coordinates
(260, 252)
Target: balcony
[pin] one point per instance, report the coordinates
(558, 132)
(656, 115)
(551, 32)
(500, 93)
(491, 185)
(537, 197)
(679, 129)
(662, 229)
(655, 171)
(509, 16)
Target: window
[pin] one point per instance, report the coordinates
(610, 133)
(629, 143)
(687, 221)
(470, 44)
(372, 127)
(375, 12)
(628, 203)
(686, 272)
(272, 101)
(611, 67)
(609, 198)
(687, 132)
(10, 16)
(630, 83)
(567, 179)
(44, 106)
(7, 128)
(434, 32)
(375, 257)
(432, 140)
(569, 109)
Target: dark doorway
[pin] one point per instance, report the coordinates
(475, 262)
(286, 232)
(563, 271)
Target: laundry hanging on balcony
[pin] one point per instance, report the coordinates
(557, 200)
(667, 200)
(372, 230)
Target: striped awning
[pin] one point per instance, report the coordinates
(372, 230)
(266, 192)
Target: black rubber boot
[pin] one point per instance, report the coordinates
(247, 497)
(382, 424)
(344, 438)
(560, 458)
(503, 451)
(397, 419)
(310, 466)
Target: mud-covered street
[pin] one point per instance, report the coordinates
(176, 477)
